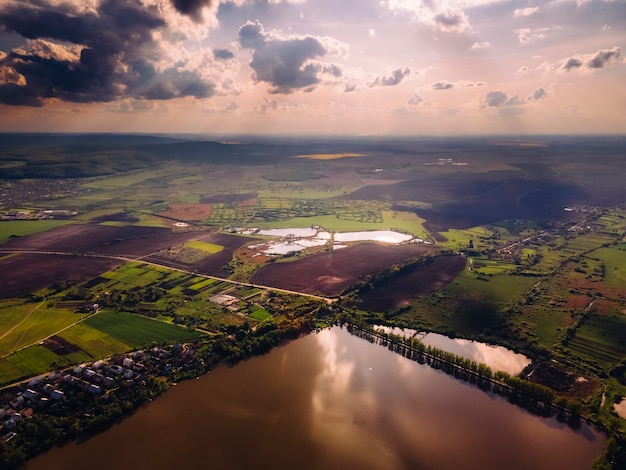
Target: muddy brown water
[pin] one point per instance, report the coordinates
(330, 401)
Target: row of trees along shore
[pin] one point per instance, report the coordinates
(534, 397)
(531, 396)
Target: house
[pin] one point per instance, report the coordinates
(17, 402)
(128, 374)
(89, 373)
(34, 381)
(128, 362)
(57, 395)
(78, 370)
(116, 370)
(30, 394)
(98, 364)
(94, 389)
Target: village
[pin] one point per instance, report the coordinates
(74, 389)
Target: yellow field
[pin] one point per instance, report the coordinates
(203, 246)
(330, 156)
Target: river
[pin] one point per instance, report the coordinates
(330, 401)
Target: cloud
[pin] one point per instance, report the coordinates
(417, 100)
(191, 8)
(443, 16)
(604, 57)
(99, 54)
(497, 99)
(586, 63)
(481, 45)
(452, 20)
(394, 79)
(286, 62)
(572, 63)
(521, 12)
(526, 35)
(539, 94)
(442, 86)
(223, 54)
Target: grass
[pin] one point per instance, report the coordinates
(33, 360)
(22, 228)
(210, 248)
(614, 261)
(259, 313)
(30, 323)
(138, 331)
(504, 288)
(93, 341)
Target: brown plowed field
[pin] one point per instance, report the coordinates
(188, 212)
(26, 273)
(128, 241)
(413, 285)
(330, 273)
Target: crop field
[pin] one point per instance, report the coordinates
(138, 331)
(30, 323)
(601, 339)
(20, 228)
(330, 273)
(210, 248)
(401, 290)
(93, 341)
(538, 277)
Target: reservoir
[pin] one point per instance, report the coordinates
(330, 401)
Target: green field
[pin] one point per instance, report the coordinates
(21, 228)
(210, 248)
(614, 260)
(138, 331)
(29, 323)
(93, 341)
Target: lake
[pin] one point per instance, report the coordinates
(330, 401)
(496, 357)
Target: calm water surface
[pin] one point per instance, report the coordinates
(330, 401)
(496, 357)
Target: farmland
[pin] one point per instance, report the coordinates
(511, 245)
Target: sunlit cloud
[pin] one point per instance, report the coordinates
(526, 35)
(520, 12)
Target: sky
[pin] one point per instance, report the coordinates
(319, 67)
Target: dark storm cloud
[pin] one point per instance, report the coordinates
(116, 52)
(191, 8)
(442, 86)
(284, 62)
(223, 54)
